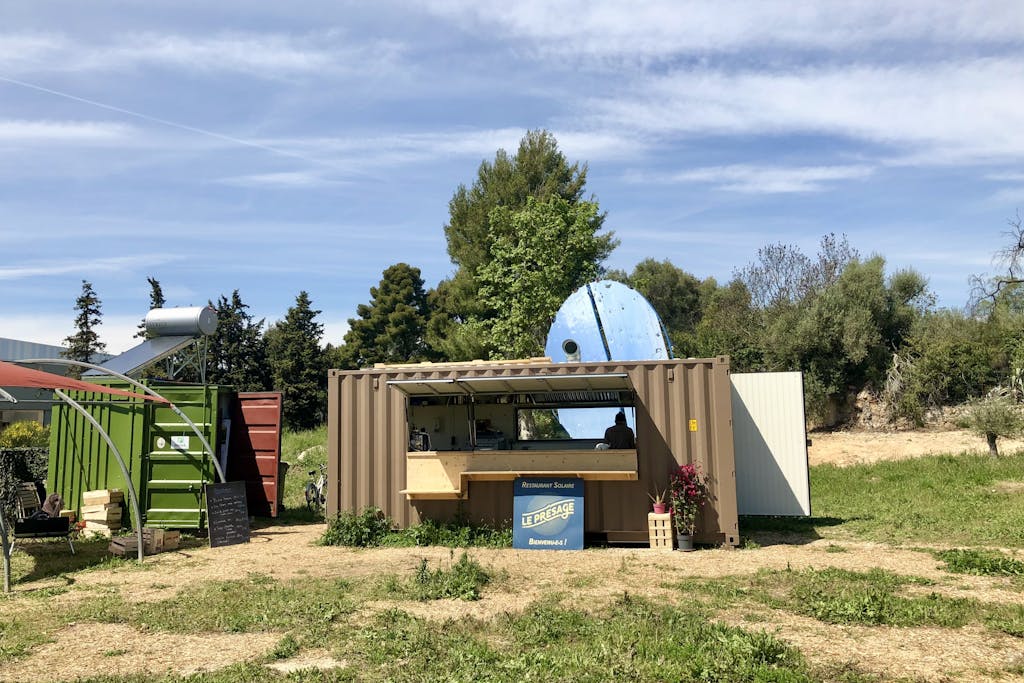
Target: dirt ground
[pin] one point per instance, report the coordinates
(850, 448)
(596, 577)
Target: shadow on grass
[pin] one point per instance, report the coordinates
(786, 530)
(43, 559)
(36, 560)
(289, 516)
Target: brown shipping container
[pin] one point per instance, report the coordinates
(683, 415)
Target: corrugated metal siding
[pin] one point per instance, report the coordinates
(254, 449)
(771, 444)
(368, 438)
(169, 482)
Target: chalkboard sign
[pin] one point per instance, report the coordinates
(227, 513)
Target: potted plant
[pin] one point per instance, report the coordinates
(658, 500)
(688, 492)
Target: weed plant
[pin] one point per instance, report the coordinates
(462, 580)
(363, 529)
(980, 562)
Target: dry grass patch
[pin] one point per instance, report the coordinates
(84, 650)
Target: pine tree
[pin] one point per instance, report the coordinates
(156, 300)
(85, 343)
(237, 354)
(297, 364)
(392, 327)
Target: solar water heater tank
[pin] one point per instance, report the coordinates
(177, 322)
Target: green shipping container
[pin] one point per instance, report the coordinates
(167, 462)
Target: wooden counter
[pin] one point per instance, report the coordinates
(445, 474)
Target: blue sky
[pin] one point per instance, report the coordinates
(279, 147)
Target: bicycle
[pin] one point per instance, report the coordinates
(316, 490)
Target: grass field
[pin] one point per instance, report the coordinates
(909, 570)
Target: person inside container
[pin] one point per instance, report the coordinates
(620, 435)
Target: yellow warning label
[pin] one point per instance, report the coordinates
(693, 425)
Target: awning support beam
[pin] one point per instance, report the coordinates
(132, 496)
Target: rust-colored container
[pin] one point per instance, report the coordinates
(683, 414)
(254, 449)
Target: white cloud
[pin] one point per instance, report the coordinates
(86, 266)
(282, 180)
(355, 154)
(771, 179)
(84, 132)
(265, 55)
(945, 113)
(667, 28)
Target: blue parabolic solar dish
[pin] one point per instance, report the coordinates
(632, 330)
(608, 321)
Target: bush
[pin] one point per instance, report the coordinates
(25, 434)
(365, 529)
(18, 465)
(371, 528)
(452, 535)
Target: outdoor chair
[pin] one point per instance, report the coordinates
(33, 523)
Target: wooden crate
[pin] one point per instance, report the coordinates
(171, 540)
(659, 527)
(124, 545)
(154, 540)
(108, 513)
(97, 528)
(102, 497)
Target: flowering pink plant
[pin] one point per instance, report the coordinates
(688, 492)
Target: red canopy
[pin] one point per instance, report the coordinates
(12, 375)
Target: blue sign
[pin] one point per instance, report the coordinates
(547, 514)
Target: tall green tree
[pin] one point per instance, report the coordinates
(85, 343)
(298, 366)
(729, 325)
(541, 254)
(539, 170)
(237, 354)
(392, 327)
(156, 300)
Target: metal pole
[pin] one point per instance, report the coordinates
(133, 497)
(6, 551)
(138, 385)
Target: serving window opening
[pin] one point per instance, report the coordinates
(500, 428)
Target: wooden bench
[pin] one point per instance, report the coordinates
(27, 528)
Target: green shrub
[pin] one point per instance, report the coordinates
(365, 529)
(994, 416)
(25, 434)
(371, 528)
(452, 535)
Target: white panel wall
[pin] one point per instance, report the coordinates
(770, 439)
